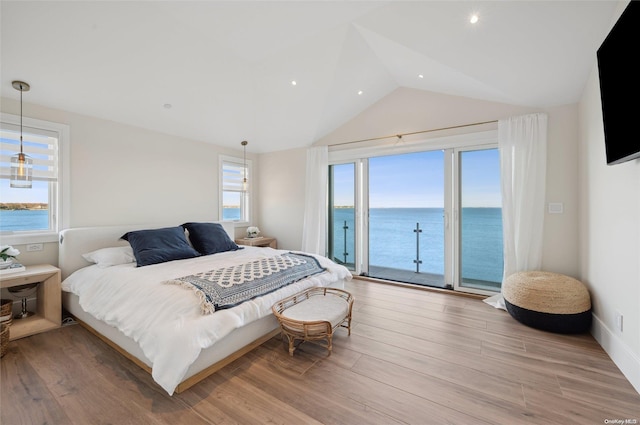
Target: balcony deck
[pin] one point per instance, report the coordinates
(408, 276)
(428, 279)
(422, 278)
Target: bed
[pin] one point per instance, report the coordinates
(163, 326)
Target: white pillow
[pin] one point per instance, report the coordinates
(107, 257)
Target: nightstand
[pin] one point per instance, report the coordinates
(49, 299)
(259, 241)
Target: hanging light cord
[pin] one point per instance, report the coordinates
(21, 118)
(244, 160)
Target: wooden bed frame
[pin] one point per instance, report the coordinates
(77, 241)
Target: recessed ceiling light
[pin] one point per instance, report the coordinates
(420, 76)
(359, 92)
(474, 18)
(167, 106)
(294, 83)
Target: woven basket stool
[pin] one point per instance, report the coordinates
(548, 301)
(4, 338)
(6, 317)
(313, 315)
(6, 312)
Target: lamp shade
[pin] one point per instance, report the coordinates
(21, 164)
(21, 171)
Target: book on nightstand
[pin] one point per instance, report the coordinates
(14, 268)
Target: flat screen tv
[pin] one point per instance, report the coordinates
(619, 73)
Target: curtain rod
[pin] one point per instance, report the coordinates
(414, 132)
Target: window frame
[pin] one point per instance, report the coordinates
(58, 189)
(246, 198)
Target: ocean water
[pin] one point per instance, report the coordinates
(231, 213)
(392, 240)
(11, 220)
(39, 219)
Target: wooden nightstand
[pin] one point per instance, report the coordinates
(49, 299)
(259, 241)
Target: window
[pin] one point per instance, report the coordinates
(32, 215)
(234, 194)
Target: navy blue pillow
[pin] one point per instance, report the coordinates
(210, 238)
(155, 246)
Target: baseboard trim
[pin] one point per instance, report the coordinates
(627, 361)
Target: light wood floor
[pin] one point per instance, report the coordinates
(413, 357)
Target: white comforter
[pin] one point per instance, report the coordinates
(165, 319)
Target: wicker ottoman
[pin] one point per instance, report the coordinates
(313, 315)
(549, 301)
(6, 317)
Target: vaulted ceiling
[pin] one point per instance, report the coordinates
(222, 72)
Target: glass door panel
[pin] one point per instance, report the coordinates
(406, 224)
(342, 217)
(481, 247)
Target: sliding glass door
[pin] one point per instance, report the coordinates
(342, 217)
(425, 214)
(406, 218)
(480, 245)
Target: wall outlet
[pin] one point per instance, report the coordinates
(35, 247)
(556, 208)
(619, 321)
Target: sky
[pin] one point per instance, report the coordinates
(416, 180)
(39, 193)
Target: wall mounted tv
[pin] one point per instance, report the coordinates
(619, 74)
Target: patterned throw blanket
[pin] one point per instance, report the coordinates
(226, 287)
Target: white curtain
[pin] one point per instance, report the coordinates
(315, 209)
(522, 142)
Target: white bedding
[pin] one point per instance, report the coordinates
(165, 319)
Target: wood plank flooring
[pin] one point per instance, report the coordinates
(413, 357)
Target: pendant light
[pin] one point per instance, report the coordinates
(21, 163)
(244, 165)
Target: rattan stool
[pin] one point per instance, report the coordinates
(313, 315)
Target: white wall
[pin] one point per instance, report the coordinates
(122, 174)
(408, 110)
(281, 202)
(609, 237)
(561, 230)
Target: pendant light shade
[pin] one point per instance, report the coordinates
(21, 163)
(21, 171)
(244, 165)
